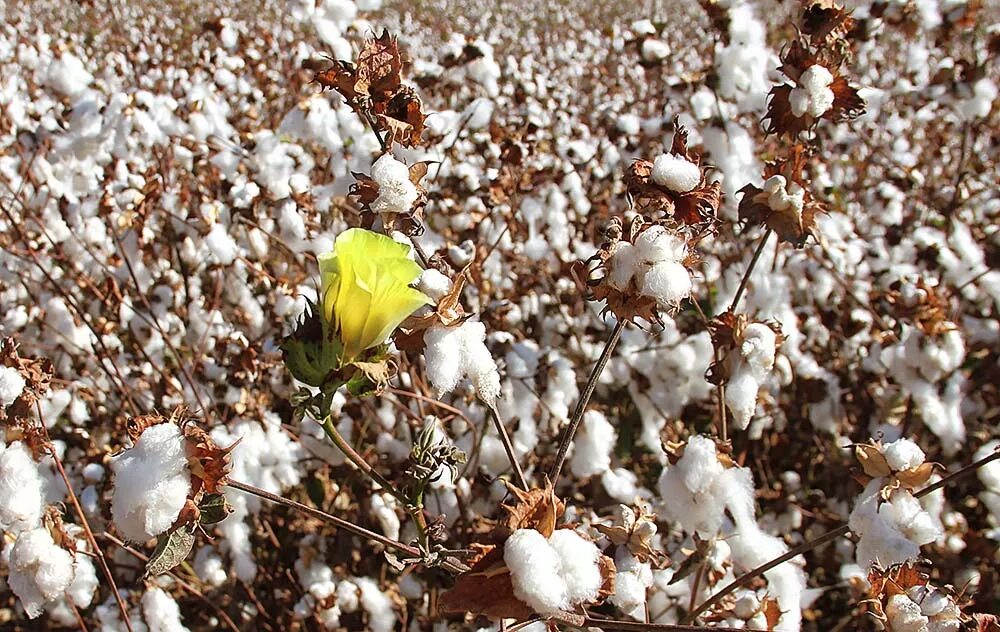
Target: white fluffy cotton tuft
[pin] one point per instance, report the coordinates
(11, 385)
(813, 95)
(152, 482)
(396, 193)
(903, 454)
(454, 353)
(551, 575)
(890, 532)
(677, 173)
(21, 489)
(161, 612)
(40, 570)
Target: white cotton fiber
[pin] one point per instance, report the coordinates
(656, 244)
(453, 353)
(654, 49)
(578, 565)
(593, 445)
(434, 284)
(889, 532)
(161, 612)
(813, 95)
(677, 173)
(741, 397)
(221, 245)
(903, 454)
(40, 570)
(21, 500)
(381, 616)
(152, 482)
(904, 615)
(535, 572)
(668, 282)
(622, 265)
(11, 385)
(396, 193)
(758, 348)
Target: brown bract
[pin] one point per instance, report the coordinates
(210, 464)
(791, 224)
(18, 417)
(636, 530)
(873, 463)
(929, 312)
(447, 313)
(374, 89)
(697, 207)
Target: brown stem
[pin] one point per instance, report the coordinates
(581, 405)
(746, 275)
(508, 446)
(339, 523)
(826, 537)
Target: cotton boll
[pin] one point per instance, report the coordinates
(593, 445)
(758, 348)
(453, 353)
(741, 397)
(654, 50)
(677, 173)
(11, 385)
(381, 616)
(20, 489)
(384, 507)
(208, 566)
(221, 245)
(534, 572)
(904, 615)
(40, 570)
(656, 244)
(161, 612)
(396, 193)
(889, 532)
(434, 284)
(903, 454)
(622, 265)
(68, 76)
(813, 94)
(668, 282)
(152, 482)
(579, 565)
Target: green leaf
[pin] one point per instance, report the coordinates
(316, 491)
(214, 508)
(171, 549)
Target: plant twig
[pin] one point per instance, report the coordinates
(746, 275)
(508, 446)
(581, 405)
(826, 537)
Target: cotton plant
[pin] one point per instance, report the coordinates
(747, 351)
(888, 519)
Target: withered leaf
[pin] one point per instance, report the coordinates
(172, 548)
(537, 509)
(485, 589)
(379, 67)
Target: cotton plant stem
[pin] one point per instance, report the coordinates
(746, 275)
(829, 536)
(88, 533)
(581, 405)
(416, 512)
(339, 523)
(508, 446)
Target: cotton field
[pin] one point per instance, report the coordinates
(432, 316)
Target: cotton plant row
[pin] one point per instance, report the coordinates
(451, 262)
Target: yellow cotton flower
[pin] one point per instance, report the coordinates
(366, 289)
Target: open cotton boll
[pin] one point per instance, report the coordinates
(161, 612)
(654, 49)
(384, 508)
(656, 244)
(11, 385)
(668, 282)
(535, 572)
(152, 482)
(434, 284)
(381, 616)
(889, 532)
(396, 193)
(904, 615)
(758, 348)
(221, 245)
(781, 196)
(632, 578)
(593, 445)
(690, 488)
(40, 570)
(20, 489)
(741, 397)
(453, 353)
(578, 565)
(903, 454)
(813, 95)
(677, 173)
(622, 265)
